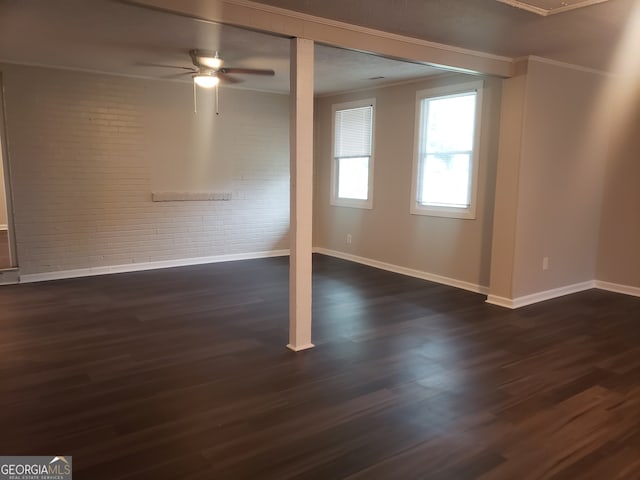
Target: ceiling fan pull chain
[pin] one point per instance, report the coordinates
(195, 99)
(217, 103)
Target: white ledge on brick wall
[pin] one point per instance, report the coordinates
(190, 196)
(137, 267)
(9, 276)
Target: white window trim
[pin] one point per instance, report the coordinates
(450, 212)
(348, 202)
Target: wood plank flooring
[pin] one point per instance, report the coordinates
(183, 374)
(4, 250)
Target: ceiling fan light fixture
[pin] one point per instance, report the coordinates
(206, 80)
(211, 62)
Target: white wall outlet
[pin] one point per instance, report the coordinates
(348, 239)
(545, 263)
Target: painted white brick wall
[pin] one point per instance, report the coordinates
(82, 175)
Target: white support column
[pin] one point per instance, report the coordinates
(301, 151)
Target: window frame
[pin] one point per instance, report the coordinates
(442, 92)
(352, 202)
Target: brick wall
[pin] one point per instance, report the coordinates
(83, 159)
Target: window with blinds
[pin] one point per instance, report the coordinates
(352, 167)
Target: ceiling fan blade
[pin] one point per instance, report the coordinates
(177, 75)
(146, 64)
(247, 71)
(226, 79)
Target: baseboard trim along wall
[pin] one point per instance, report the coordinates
(452, 282)
(540, 296)
(617, 288)
(512, 303)
(4, 227)
(137, 267)
(9, 276)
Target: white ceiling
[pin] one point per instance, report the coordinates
(113, 37)
(105, 36)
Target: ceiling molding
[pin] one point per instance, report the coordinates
(529, 6)
(570, 66)
(266, 18)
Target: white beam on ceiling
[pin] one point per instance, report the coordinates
(244, 13)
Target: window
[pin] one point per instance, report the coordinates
(445, 166)
(352, 165)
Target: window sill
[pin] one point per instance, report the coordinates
(362, 204)
(446, 212)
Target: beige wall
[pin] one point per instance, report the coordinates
(87, 150)
(455, 248)
(560, 165)
(619, 253)
(560, 188)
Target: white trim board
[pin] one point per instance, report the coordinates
(138, 267)
(518, 302)
(491, 299)
(618, 288)
(4, 227)
(292, 14)
(410, 272)
(569, 66)
(9, 276)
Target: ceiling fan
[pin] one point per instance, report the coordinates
(209, 71)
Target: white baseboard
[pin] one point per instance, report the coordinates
(4, 227)
(137, 267)
(452, 282)
(9, 276)
(512, 303)
(500, 301)
(301, 347)
(518, 302)
(618, 288)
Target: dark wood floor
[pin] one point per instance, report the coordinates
(184, 374)
(4, 250)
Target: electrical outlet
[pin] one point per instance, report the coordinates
(545, 263)
(348, 239)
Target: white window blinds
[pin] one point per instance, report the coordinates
(353, 130)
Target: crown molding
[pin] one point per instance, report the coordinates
(570, 66)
